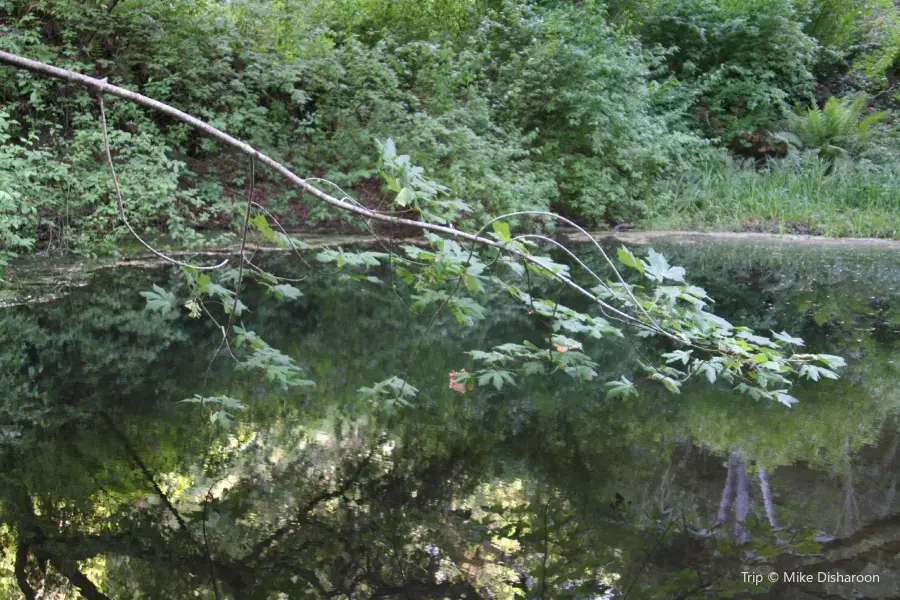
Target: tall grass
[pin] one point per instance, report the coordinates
(800, 193)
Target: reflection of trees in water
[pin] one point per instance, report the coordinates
(735, 498)
(325, 496)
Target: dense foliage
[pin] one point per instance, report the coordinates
(596, 111)
(586, 108)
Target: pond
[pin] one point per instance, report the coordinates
(543, 490)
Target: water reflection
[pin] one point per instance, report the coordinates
(113, 487)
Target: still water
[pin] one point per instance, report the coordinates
(112, 487)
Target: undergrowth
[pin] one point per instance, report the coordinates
(802, 194)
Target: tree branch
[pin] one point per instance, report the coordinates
(80, 580)
(30, 534)
(21, 578)
(104, 87)
(133, 455)
(262, 546)
(121, 202)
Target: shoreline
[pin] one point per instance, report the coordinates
(643, 238)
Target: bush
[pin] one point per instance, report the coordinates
(861, 37)
(515, 105)
(743, 61)
(580, 87)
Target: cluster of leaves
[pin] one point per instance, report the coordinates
(18, 170)
(760, 367)
(220, 406)
(257, 356)
(390, 394)
(860, 38)
(446, 276)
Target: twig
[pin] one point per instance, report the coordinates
(133, 455)
(104, 87)
(237, 284)
(121, 203)
(212, 563)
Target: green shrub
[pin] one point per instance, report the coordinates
(514, 105)
(580, 87)
(861, 37)
(743, 61)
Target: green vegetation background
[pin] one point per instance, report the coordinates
(774, 115)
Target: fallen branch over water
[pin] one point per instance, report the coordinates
(104, 87)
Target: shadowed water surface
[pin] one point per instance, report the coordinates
(112, 486)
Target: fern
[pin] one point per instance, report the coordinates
(839, 128)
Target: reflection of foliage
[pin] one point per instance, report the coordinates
(317, 492)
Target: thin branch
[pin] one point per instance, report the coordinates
(26, 524)
(647, 559)
(133, 455)
(80, 580)
(291, 240)
(263, 545)
(209, 556)
(237, 284)
(104, 87)
(121, 203)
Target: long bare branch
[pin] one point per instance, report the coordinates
(103, 87)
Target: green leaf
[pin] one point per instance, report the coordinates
(814, 372)
(404, 197)
(159, 300)
(222, 419)
(388, 150)
(835, 362)
(785, 399)
(682, 356)
(501, 228)
(785, 337)
(262, 225)
(658, 268)
(621, 388)
(533, 368)
(497, 378)
(629, 260)
(669, 383)
(392, 183)
(285, 292)
(708, 370)
(203, 282)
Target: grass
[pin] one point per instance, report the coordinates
(795, 195)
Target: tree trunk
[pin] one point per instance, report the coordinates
(742, 502)
(727, 492)
(767, 497)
